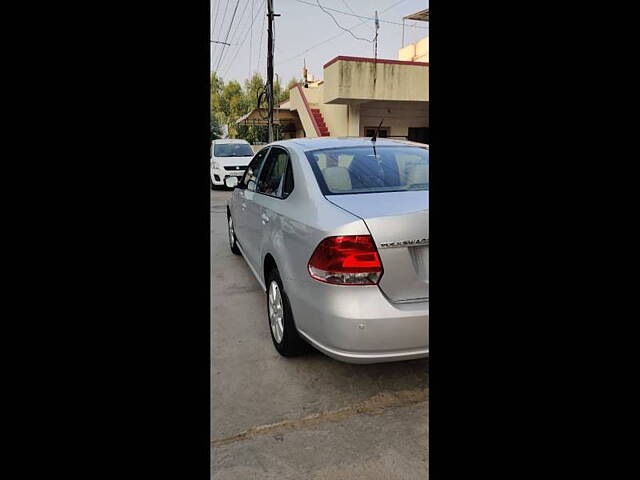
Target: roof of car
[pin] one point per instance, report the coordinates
(337, 142)
(229, 140)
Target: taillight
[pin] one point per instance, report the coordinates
(346, 260)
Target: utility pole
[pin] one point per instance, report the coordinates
(277, 102)
(270, 14)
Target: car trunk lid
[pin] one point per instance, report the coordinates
(399, 225)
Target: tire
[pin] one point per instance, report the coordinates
(288, 343)
(213, 187)
(233, 241)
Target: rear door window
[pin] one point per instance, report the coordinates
(274, 174)
(250, 177)
(288, 180)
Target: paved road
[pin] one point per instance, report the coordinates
(302, 418)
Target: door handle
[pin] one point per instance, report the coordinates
(265, 219)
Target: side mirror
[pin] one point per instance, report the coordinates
(231, 182)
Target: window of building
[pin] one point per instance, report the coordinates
(382, 133)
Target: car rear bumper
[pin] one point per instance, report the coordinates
(359, 324)
(367, 357)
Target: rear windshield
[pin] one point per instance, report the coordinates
(232, 150)
(363, 170)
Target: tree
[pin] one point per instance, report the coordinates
(233, 104)
(252, 88)
(285, 94)
(216, 113)
(232, 100)
(216, 87)
(216, 130)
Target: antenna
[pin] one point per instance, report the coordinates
(373, 139)
(375, 135)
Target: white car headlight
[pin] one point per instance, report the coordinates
(215, 165)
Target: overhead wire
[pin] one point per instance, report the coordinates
(236, 29)
(227, 36)
(239, 27)
(260, 42)
(336, 36)
(353, 14)
(224, 16)
(213, 26)
(340, 26)
(243, 41)
(251, 40)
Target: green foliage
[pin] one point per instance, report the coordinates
(216, 86)
(216, 130)
(285, 94)
(294, 81)
(252, 88)
(230, 101)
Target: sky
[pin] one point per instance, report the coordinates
(300, 28)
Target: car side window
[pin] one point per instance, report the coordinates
(288, 181)
(250, 177)
(273, 177)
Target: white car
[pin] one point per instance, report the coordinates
(229, 158)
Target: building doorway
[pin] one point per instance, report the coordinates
(420, 135)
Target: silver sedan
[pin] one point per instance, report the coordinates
(336, 231)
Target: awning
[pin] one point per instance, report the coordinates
(258, 116)
(422, 15)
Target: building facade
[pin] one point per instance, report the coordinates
(359, 94)
(356, 95)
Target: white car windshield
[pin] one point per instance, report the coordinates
(232, 150)
(365, 170)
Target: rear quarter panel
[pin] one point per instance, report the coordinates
(298, 224)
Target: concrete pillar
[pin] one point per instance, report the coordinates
(353, 126)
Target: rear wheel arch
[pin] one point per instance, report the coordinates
(268, 265)
(233, 240)
(291, 344)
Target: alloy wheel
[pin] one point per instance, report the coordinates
(232, 237)
(276, 312)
